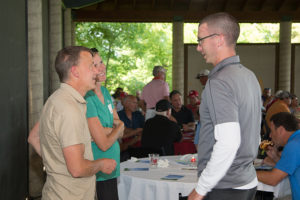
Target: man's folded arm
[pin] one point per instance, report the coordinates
(78, 166)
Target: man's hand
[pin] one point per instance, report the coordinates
(34, 138)
(139, 131)
(195, 196)
(138, 138)
(172, 118)
(188, 127)
(273, 153)
(269, 161)
(107, 165)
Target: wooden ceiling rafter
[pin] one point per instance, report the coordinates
(190, 5)
(168, 16)
(172, 4)
(153, 4)
(115, 4)
(279, 7)
(207, 5)
(134, 4)
(243, 5)
(298, 7)
(225, 5)
(188, 10)
(261, 5)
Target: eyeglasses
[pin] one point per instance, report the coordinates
(200, 40)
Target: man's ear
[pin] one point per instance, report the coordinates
(221, 40)
(74, 71)
(169, 111)
(281, 130)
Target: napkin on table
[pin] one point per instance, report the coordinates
(163, 163)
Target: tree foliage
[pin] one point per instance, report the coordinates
(130, 50)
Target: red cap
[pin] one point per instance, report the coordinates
(123, 94)
(193, 93)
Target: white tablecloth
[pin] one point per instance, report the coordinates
(148, 185)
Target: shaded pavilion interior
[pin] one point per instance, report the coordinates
(17, 58)
(185, 10)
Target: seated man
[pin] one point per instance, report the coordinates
(281, 105)
(134, 122)
(183, 116)
(284, 132)
(194, 103)
(160, 132)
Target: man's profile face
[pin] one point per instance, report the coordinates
(162, 75)
(193, 99)
(86, 70)
(208, 46)
(131, 104)
(176, 101)
(294, 102)
(203, 80)
(288, 101)
(267, 93)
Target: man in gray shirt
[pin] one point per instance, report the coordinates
(230, 116)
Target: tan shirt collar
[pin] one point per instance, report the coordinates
(74, 93)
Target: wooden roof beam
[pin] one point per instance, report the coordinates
(190, 5)
(261, 5)
(153, 4)
(116, 4)
(280, 5)
(172, 4)
(168, 16)
(298, 7)
(207, 5)
(225, 5)
(243, 5)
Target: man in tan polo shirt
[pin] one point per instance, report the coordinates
(65, 140)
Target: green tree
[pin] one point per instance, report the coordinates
(130, 50)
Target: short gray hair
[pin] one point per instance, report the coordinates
(128, 97)
(284, 95)
(158, 69)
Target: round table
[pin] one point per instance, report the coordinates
(148, 185)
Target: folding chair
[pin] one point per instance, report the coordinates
(182, 197)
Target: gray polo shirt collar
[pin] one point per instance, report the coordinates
(224, 63)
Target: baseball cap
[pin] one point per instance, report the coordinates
(123, 94)
(203, 72)
(193, 93)
(157, 69)
(162, 105)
